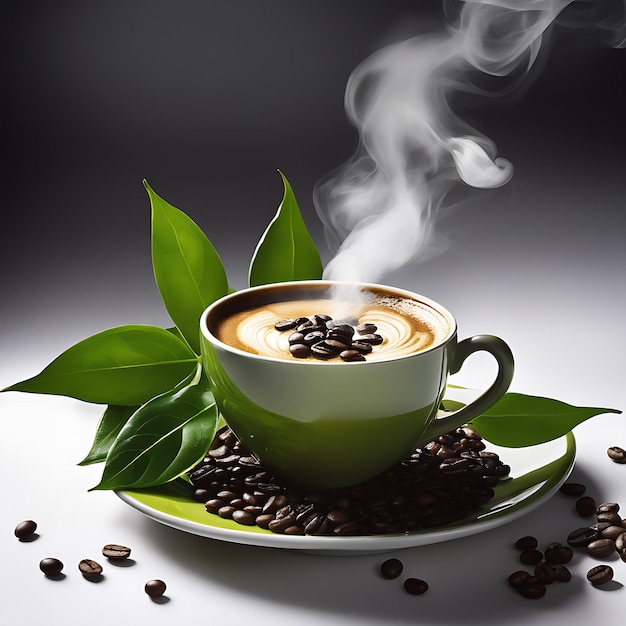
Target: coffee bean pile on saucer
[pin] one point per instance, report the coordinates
(323, 338)
(438, 484)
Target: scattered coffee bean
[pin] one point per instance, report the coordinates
(526, 543)
(558, 554)
(51, 566)
(115, 552)
(90, 569)
(415, 586)
(601, 548)
(518, 578)
(391, 568)
(531, 557)
(545, 573)
(585, 506)
(573, 489)
(562, 574)
(25, 530)
(582, 537)
(600, 574)
(155, 588)
(620, 543)
(532, 588)
(617, 454)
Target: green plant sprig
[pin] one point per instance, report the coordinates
(161, 416)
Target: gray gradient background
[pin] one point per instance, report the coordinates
(206, 100)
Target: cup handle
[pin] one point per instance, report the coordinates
(504, 357)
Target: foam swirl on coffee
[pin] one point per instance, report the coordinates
(406, 326)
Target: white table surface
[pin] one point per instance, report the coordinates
(557, 297)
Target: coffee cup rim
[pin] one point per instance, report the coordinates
(321, 283)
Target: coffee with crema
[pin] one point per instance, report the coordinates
(407, 326)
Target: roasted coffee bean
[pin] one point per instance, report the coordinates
(286, 324)
(351, 355)
(25, 530)
(531, 557)
(226, 512)
(415, 586)
(373, 339)
(601, 548)
(296, 338)
(279, 525)
(582, 537)
(51, 566)
(617, 454)
(545, 573)
(361, 346)
(585, 506)
(573, 489)
(336, 345)
(600, 574)
(391, 568)
(243, 517)
(620, 543)
(341, 329)
(89, 568)
(116, 552)
(220, 451)
(532, 589)
(300, 350)
(367, 328)
(313, 337)
(526, 543)
(323, 351)
(214, 505)
(611, 517)
(562, 574)
(612, 532)
(155, 588)
(558, 555)
(263, 520)
(518, 578)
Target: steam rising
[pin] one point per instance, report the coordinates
(379, 208)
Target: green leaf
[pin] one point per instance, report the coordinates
(109, 426)
(163, 439)
(517, 420)
(125, 365)
(187, 268)
(286, 251)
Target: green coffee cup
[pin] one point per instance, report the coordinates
(326, 424)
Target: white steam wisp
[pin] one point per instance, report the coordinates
(379, 208)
